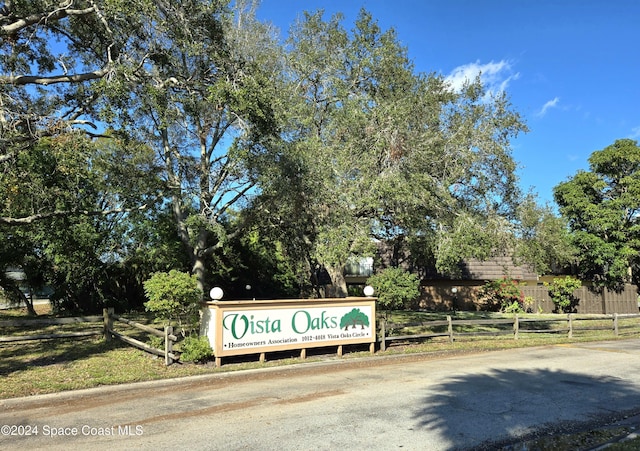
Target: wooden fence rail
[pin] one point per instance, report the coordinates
(450, 328)
(51, 322)
(167, 334)
(518, 326)
(104, 326)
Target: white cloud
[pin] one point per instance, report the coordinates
(495, 76)
(550, 104)
(635, 132)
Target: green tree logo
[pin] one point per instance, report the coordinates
(354, 318)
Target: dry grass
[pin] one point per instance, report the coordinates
(47, 366)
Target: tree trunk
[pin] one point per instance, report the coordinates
(199, 271)
(338, 282)
(29, 303)
(199, 256)
(16, 297)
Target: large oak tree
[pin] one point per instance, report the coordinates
(192, 79)
(203, 100)
(377, 151)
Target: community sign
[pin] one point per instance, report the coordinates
(243, 327)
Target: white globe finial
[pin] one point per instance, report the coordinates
(368, 291)
(216, 293)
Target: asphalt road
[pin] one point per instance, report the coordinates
(420, 402)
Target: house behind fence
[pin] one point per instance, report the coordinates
(464, 295)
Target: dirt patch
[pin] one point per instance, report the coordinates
(229, 407)
(311, 397)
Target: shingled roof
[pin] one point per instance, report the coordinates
(493, 268)
(496, 268)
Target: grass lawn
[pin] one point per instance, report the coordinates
(48, 366)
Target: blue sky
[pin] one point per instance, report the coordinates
(571, 68)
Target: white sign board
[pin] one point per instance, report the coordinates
(244, 327)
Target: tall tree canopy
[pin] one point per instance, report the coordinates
(191, 79)
(377, 151)
(542, 238)
(69, 199)
(131, 130)
(602, 207)
(203, 100)
(57, 58)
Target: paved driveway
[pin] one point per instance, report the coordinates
(420, 402)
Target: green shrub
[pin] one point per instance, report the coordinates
(529, 302)
(395, 288)
(516, 307)
(503, 295)
(174, 296)
(156, 342)
(561, 293)
(195, 349)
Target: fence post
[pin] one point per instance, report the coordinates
(615, 324)
(168, 345)
(450, 328)
(108, 323)
(570, 316)
(516, 327)
(383, 338)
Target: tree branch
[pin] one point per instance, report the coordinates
(21, 80)
(239, 194)
(59, 213)
(58, 14)
(211, 249)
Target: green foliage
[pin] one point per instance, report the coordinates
(504, 295)
(174, 296)
(601, 207)
(376, 150)
(155, 342)
(469, 235)
(561, 293)
(529, 302)
(395, 288)
(338, 136)
(195, 349)
(206, 107)
(515, 307)
(60, 188)
(69, 44)
(256, 258)
(543, 239)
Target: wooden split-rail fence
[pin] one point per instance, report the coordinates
(387, 332)
(104, 326)
(167, 334)
(451, 328)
